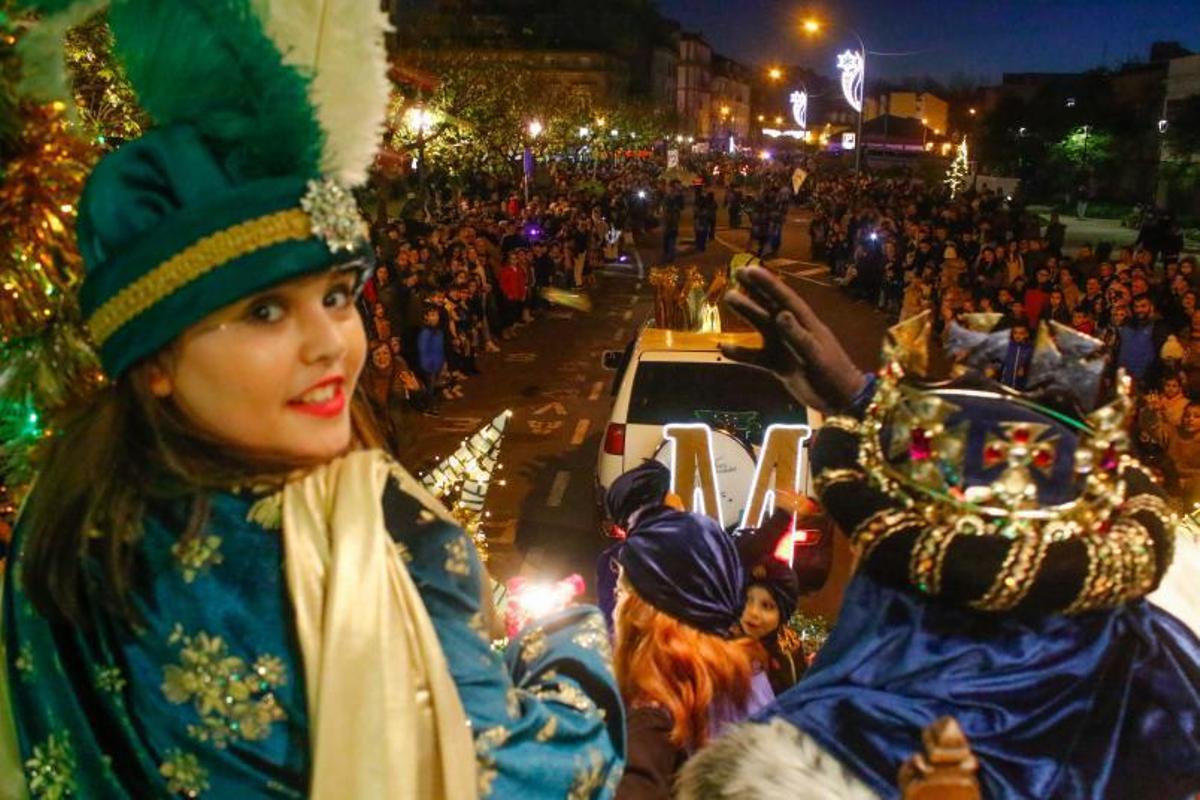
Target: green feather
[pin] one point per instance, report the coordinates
(47, 7)
(209, 63)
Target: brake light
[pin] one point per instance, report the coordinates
(614, 439)
(795, 537)
(805, 536)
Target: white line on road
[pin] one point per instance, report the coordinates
(558, 489)
(581, 429)
(628, 315)
(816, 281)
(597, 388)
(619, 334)
(729, 245)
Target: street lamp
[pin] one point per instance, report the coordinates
(535, 129)
(774, 73)
(971, 111)
(585, 132)
(421, 121)
(853, 67)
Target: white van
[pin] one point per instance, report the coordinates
(672, 377)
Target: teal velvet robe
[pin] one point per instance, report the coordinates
(206, 697)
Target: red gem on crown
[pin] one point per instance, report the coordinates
(920, 447)
(1108, 461)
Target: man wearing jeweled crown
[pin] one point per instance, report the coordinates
(1006, 543)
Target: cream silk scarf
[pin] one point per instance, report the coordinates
(385, 717)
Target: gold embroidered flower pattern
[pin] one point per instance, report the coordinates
(589, 778)
(50, 770)
(184, 774)
(512, 703)
(405, 554)
(593, 635)
(548, 730)
(24, 662)
(485, 743)
(568, 695)
(109, 679)
(234, 701)
(457, 562)
(267, 513)
(533, 646)
(195, 554)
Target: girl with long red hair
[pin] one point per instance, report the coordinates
(682, 666)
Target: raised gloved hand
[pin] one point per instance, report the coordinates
(797, 345)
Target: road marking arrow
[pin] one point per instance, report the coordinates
(556, 407)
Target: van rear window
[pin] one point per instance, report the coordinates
(682, 391)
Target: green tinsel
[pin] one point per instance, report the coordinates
(40, 375)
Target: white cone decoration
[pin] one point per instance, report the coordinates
(462, 478)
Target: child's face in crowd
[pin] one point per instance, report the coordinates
(760, 617)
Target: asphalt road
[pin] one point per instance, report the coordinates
(542, 514)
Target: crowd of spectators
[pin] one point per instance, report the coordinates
(468, 277)
(906, 247)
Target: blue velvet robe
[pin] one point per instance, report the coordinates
(206, 697)
(1103, 705)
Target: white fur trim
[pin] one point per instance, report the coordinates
(771, 761)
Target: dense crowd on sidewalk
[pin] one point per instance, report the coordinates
(469, 275)
(905, 247)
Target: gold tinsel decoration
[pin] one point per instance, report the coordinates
(665, 281)
(682, 302)
(40, 267)
(105, 105)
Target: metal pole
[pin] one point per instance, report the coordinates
(859, 144)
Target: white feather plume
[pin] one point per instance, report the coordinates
(43, 61)
(339, 46)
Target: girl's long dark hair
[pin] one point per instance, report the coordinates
(124, 450)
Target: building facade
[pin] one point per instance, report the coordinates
(928, 109)
(693, 87)
(729, 107)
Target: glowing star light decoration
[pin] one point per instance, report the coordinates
(853, 69)
(799, 101)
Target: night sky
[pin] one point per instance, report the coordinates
(975, 38)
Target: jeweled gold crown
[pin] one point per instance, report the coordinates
(1032, 478)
